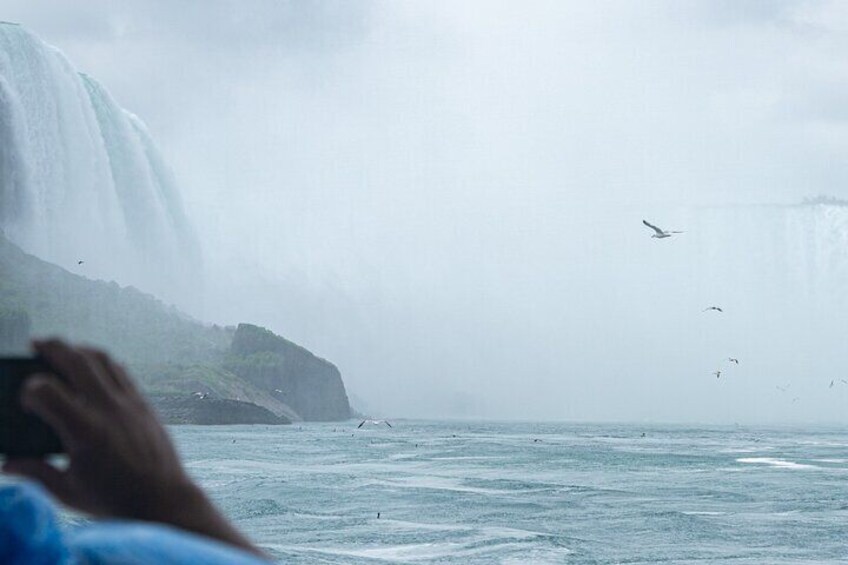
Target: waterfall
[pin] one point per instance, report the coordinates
(797, 253)
(82, 180)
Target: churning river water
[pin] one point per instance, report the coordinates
(458, 492)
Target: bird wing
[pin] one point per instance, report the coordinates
(675, 232)
(653, 227)
(362, 423)
(387, 423)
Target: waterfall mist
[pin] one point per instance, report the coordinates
(446, 199)
(83, 185)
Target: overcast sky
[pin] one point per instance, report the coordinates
(445, 198)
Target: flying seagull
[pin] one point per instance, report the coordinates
(733, 360)
(716, 308)
(831, 384)
(717, 374)
(660, 233)
(374, 422)
(80, 262)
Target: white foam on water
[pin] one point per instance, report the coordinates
(773, 462)
(440, 483)
(492, 532)
(752, 449)
(466, 458)
(422, 552)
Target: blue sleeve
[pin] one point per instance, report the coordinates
(137, 543)
(30, 534)
(29, 531)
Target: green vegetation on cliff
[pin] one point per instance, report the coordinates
(172, 355)
(310, 385)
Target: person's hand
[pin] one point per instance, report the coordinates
(122, 463)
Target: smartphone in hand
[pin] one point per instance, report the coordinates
(22, 434)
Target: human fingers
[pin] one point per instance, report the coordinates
(54, 480)
(51, 400)
(116, 371)
(84, 374)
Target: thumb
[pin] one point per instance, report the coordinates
(54, 480)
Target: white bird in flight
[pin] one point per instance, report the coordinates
(714, 308)
(660, 233)
(374, 422)
(717, 374)
(733, 360)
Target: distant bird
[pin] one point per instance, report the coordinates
(782, 388)
(831, 385)
(660, 233)
(373, 422)
(201, 395)
(278, 391)
(378, 515)
(715, 308)
(80, 262)
(717, 374)
(794, 400)
(844, 381)
(733, 360)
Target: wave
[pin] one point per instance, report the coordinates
(774, 462)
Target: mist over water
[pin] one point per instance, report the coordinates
(446, 200)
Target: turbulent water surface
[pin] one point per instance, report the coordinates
(529, 493)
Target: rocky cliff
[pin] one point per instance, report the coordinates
(212, 411)
(308, 384)
(172, 355)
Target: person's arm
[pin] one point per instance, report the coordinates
(122, 462)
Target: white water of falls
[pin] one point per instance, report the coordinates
(82, 180)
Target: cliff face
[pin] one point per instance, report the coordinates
(170, 354)
(308, 384)
(212, 411)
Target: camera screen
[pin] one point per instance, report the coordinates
(22, 434)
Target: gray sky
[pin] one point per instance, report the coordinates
(444, 198)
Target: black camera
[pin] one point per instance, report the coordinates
(23, 434)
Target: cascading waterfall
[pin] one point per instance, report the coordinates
(781, 272)
(81, 179)
(797, 253)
